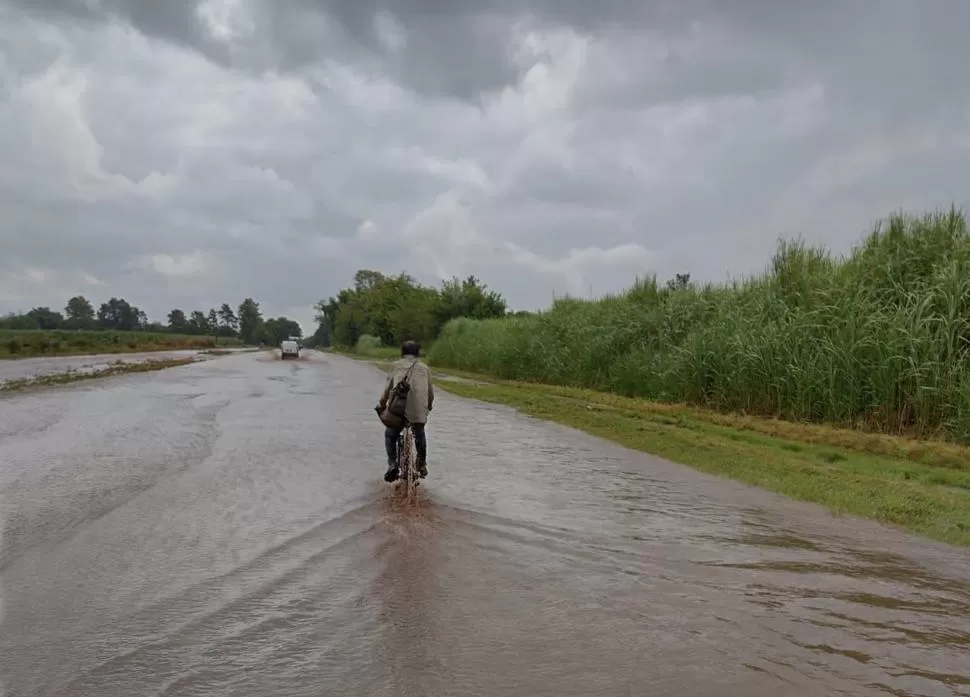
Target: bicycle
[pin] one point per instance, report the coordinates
(406, 459)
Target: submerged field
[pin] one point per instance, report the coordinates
(30, 343)
(876, 341)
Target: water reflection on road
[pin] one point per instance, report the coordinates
(220, 529)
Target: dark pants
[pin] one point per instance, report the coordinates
(420, 442)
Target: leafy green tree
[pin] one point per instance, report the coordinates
(366, 280)
(395, 308)
(468, 298)
(212, 321)
(277, 329)
(80, 313)
(250, 320)
(46, 318)
(227, 320)
(120, 315)
(177, 321)
(322, 337)
(198, 323)
(19, 321)
(326, 312)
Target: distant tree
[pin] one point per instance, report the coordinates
(227, 319)
(680, 281)
(366, 280)
(277, 329)
(120, 315)
(198, 323)
(80, 313)
(19, 321)
(468, 298)
(352, 321)
(177, 322)
(46, 318)
(322, 337)
(395, 308)
(212, 320)
(326, 311)
(250, 321)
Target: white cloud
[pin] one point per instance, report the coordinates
(227, 20)
(46, 113)
(391, 34)
(367, 231)
(552, 66)
(458, 171)
(43, 287)
(180, 266)
(35, 275)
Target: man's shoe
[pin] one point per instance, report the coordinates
(392, 473)
(422, 469)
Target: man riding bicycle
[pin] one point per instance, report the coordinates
(419, 402)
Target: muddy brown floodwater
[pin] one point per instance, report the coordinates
(220, 529)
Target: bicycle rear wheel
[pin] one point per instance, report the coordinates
(406, 461)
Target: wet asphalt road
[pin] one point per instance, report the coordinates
(221, 529)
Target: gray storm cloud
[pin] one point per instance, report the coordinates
(186, 153)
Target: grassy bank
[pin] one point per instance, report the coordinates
(878, 340)
(32, 343)
(77, 376)
(371, 347)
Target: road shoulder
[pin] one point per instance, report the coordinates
(71, 376)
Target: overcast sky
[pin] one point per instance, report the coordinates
(186, 154)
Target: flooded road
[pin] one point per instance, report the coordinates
(220, 529)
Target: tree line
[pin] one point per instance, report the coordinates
(389, 308)
(245, 322)
(396, 308)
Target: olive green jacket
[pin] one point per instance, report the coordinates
(421, 396)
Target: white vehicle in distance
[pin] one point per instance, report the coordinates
(289, 349)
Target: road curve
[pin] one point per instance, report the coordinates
(220, 529)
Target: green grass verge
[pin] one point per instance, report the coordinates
(71, 376)
(383, 353)
(370, 347)
(920, 486)
(32, 343)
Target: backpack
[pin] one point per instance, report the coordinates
(397, 401)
